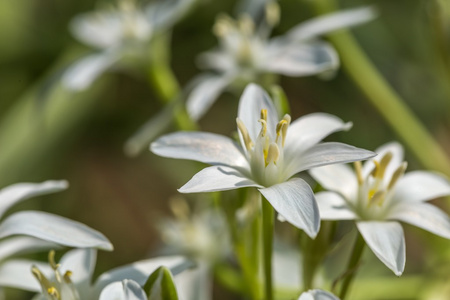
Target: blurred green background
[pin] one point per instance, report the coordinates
(124, 197)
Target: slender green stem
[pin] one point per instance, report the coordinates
(267, 230)
(381, 95)
(163, 80)
(352, 265)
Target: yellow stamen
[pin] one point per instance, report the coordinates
(272, 13)
(397, 174)
(264, 126)
(358, 171)
(273, 154)
(67, 276)
(223, 26)
(264, 114)
(246, 25)
(384, 162)
(377, 198)
(52, 291)
(247, 140)
(375, 170)
(51, 260)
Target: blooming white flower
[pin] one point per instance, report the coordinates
(380, 194)
(71, 279)
(317, 295)
(39, 230)
(270, 154)
(119, 33)
(246, 53)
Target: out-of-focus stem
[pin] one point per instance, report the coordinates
(381, 95)
(267, 226)
(352, 265)
(164, 81)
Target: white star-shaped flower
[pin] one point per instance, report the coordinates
(270, 154)
(379, 195)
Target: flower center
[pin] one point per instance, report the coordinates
(265, 154)
(61, 288)
(375, 190)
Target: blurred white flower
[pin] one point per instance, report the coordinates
(380, 194)
(246, 53)
(39, 230)
(71, 279)
(118, 33)
(270, 154)
(317, 295)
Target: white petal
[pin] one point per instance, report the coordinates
(301, 59)
(317, 295)
(421, 186)
(397, 158)
(82, 73)
(205, 147)
(252, 101)
(123, 290)
(217, 178)
(23, 244)
(100, 29)
(325, 154)
(163, 14)
(54, 229)
(387, 241)
(217, 60)
(294, 200)
(337, 178)
(204, 94)
(333, 207)
(81, 262)
(16, 273)
(423, 215)
(195, 283)
(15, 193)
(308, 130)
(331, 22)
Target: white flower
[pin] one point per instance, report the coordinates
(380, 194)
(41, 230)
(246, 53)
(119, 33)
(317, 295)
(71, 279)
(270, 154)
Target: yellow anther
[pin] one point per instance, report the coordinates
(397, 174)
(282, 131)
(67, 276)
(223, 26)
(273, 154)
(264, 114)
(384, 162)
(377, 198)
(272, 13)
(263, 126)
(375, 170)
(246, 137)
(358, 171)
(51, 260)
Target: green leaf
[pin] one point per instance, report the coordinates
(160, 285)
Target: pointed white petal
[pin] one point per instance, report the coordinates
(205, 147)
(333, 207)
(337, 178)
(317, 295)
(123, 290)
(81, 262)
(82, 73)
(252, 101)
(217, 60)
(54, 229)
(397, 158)
(423, 215)
(217, 178)
(139, 271)
(100, 29)
(16, 273)
(294, 200)
(331, 22)
(204, 94)
(23, 244)
(308, 130)
(301, 59)
(325, 154)
(15, 193)
(195, 283)
(387, 241)
(421, 186)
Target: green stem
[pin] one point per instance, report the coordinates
(352, 265)
(164, 81)
(267, 230)
(381, 95)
